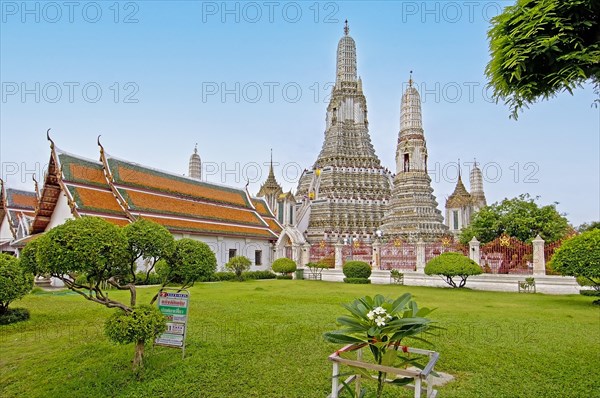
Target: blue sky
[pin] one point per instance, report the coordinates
(240, 78)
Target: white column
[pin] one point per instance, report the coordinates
(539, 262)
(339, 261)
(420, 246)
(376, 250)
(474, 253)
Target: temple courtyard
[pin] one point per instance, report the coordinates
(264, 339)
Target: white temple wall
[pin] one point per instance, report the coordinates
(61, 213)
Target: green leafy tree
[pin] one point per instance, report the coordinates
(284, 266)
(15, 281)
(147, 241)
(520, 217)
(540, 48)
(579, 256)
(191, 260)
(451, 265)
(588, 226)
(238, 265)
(87, 254)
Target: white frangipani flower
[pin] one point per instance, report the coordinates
(371, 315)
(380, 321)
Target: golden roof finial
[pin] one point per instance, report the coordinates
(459, 168)
(346, 28)
(410, 80)
(196, 148)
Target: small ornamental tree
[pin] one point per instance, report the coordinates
(238, 265)
(451, 265)
(106, 255)
(357, 272)
(15, 281)
(580, 256)
(284, 266)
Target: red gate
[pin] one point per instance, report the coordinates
(398, 254)
(446, 244)
(507, 255)
(322, 251)
(358, 251)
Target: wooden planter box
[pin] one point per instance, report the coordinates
(422, 382)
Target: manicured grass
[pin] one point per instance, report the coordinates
(263, 339)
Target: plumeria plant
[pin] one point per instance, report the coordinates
(383, 325)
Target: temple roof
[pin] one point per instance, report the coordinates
(270, 186)
(14, 204)
(460, 197)
(121, 191)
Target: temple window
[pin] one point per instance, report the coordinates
(406, 163)
(258, 257)
(232, 253)
(455, 219)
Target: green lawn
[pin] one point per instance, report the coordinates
(263, 339)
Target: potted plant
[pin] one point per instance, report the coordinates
(383, 325)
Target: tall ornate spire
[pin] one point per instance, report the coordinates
(476, 182)
(346, 58)
(412, 212)
(347, 186)
(195, 165)
(411, 121)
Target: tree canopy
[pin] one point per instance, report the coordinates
(449, 265)
(579, 256)
(540, 48)
(520, 217)
(15, 281)
(238, 265)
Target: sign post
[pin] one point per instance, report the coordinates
(174, 305)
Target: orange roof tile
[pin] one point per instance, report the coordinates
(273, 225)
(261, 207)
(199, 226)
(96, 200)
(82, 171)
(139, 176)
(23, 201)
(144, 201)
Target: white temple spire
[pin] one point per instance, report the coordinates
(346, 58)
(195, 165)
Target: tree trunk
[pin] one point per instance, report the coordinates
(138, 357)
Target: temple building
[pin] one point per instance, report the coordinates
(462, 205)
(17, 208)
(228, 219)
(412, 213)
(347, 188)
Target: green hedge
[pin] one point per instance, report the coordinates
(258, 275)
(284, 277)
(357, 269)
(358, 281)
(13, 315)
(590, 293)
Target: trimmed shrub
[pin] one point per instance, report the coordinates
(451, 265)
(15, 281)
(284, 266)
(143, 324)
(284, 277)
(13, 315)
(590, 293)
(358, 281)
(258, 275)
(357, 269)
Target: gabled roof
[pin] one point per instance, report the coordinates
(263, 209)
(121, 191)
(183, 204)
(460, 197)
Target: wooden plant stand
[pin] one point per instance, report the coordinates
(421, 378)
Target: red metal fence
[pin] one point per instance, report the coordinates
(446, 244)
(507, 255)
(322, 251)
(358, 251)
(398, 254)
